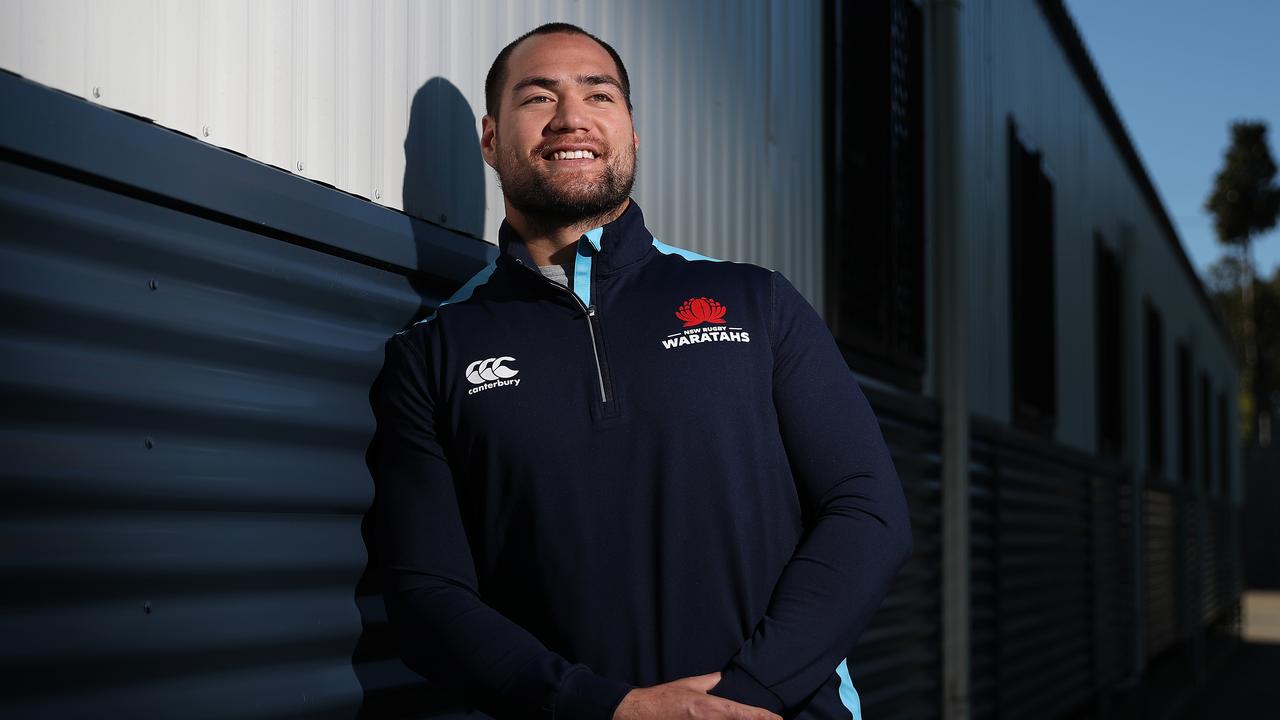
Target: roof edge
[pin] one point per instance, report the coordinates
(1068, 35)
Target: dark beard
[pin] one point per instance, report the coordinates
(547, 206)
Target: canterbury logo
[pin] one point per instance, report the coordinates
(490, 370)
(696, 311)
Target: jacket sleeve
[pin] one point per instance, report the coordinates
(857, 528)
(445, 630)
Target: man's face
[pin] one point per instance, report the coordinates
(564, 146)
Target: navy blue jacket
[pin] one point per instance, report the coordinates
(666, 471)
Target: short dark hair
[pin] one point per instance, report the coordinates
(497, 76)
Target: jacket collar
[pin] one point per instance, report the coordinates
(613, 245)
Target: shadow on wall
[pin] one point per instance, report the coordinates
(444, 173)
(444, 184)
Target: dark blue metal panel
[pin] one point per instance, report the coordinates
(897, 665)
(189, 338)
(1051, 601)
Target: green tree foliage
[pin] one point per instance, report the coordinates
(1245, 200)
(1245, 203)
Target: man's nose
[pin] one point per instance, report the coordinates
(570, 116)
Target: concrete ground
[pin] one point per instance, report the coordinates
(1247, 685)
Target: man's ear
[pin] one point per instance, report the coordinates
(635, 139)
(488, 138)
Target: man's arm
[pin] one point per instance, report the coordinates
(446, 631)
(858, 532)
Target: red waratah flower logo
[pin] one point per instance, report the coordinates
(696, 311)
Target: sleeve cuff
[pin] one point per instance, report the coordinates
(584, 695)
(737, 685)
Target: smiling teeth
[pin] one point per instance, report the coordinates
(573, 155)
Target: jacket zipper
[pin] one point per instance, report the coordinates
(590, 313)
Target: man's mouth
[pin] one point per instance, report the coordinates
(570, 154)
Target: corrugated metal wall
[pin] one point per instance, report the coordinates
(1052, 601)
(189, 342)
(1161, 568)
(1032, 647)
(1085, 574)
(360, 96)
(1115, 602)
(897, 666)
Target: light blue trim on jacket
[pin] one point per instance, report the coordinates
(666, 249)
(466, 291)
(848, 695)
(582, 264)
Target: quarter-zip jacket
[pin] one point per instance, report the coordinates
(664, 471)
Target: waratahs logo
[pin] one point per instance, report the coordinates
(696, 311)
(491, 373)
(701, 316)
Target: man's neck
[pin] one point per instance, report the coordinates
(553, 243)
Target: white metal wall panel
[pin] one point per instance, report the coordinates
(175, 98)
(727, 95)
(1015, 66)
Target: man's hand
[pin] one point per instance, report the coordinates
(686, 698)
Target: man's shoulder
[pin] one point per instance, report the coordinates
(471, 293)
(743, 271)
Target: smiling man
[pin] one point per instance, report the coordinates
(616, 479)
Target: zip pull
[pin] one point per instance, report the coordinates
(591, 311)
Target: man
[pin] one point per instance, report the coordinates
(617, 479)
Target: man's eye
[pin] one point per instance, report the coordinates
(537, 98)
(602, 96)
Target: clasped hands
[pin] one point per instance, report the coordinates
(686, 698)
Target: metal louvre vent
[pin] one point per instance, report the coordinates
(897, 664)
(1161, 568)
(1049, 556)
(1115, 608)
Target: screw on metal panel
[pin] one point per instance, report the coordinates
(377, 194)
(151, 284)
(205, 130)
(299, 166)
(97, 91)
(148, 443)
(146, 607)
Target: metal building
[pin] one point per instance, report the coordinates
(215, 213)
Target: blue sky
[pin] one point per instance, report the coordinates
(1179, 71)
